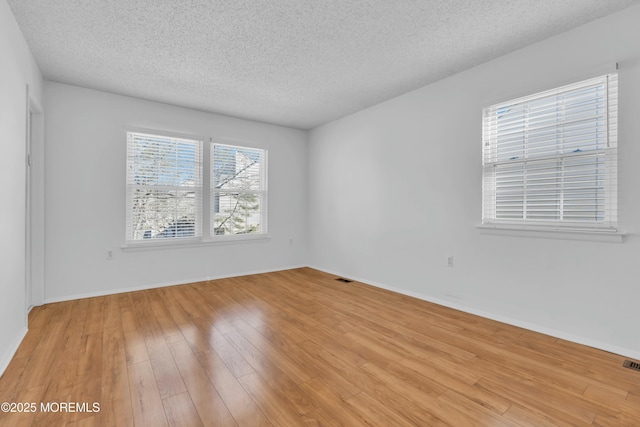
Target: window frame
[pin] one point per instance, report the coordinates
(491, 162)
(262, 192)
(198, 186)
(204, 234)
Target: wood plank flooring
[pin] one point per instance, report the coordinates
(298, 347)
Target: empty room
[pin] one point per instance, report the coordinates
(383, 213)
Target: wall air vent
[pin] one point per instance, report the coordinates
(631, 365)
(342, 279)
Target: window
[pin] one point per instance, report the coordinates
(166, 200)
(550, 159)
(238, 190)
(164, 187)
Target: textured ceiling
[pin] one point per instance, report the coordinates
(298, 63)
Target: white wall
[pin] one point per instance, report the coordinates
(17, 69)
(396, 188)
(85, 196)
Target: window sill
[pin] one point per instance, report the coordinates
(192, 243)
(550, 233)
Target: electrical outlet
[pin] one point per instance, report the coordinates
(109, 255)
(450, 261)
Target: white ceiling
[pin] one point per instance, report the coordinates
(297, 63)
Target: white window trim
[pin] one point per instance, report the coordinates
(205, 214)
(553, 233)
(194, 243)
(557, 229)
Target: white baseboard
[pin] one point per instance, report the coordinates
(499, 318)
(456, 306)
(11, 351)
(161, 285)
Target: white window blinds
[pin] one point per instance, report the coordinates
(550, 159)
(238, 190)
(164, 187)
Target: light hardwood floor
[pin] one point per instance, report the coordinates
(299, 348)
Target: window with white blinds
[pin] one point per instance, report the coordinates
(550, 159)
(238, 190)
(164, 187)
